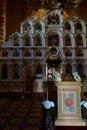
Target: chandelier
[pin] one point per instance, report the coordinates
(74, 3)
(57, 4)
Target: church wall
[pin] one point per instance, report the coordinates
(83, 10)
(2, 20)
(17, 11)
(14, 15)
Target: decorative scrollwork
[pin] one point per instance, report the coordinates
(57, 4)
(51, 4)
(75, 3)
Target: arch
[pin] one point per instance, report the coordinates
(38, 26)
(38, 40)
(39, 68)
(53, 18)
(68, 53)
(67, 26)
(16, 53)
(16, 40)
(79, 52)
(16, 70)
(4, 71)
(53, 39)
(27, 53)
(80, 69)
(27, 40)
(79, 40)
(38, 53)
(28, 70)
(26, 27)
(78, 26)
(67, 40)
(4, 53)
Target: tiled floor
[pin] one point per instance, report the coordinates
(20, 114)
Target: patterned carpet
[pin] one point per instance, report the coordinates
(20, 114)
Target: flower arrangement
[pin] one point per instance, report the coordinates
(76, 76)
(57, 76)
(48, 104)
(83, 105)
(50, 71)
(50, 74)
(48, 119)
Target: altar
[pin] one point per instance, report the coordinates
(68, 104)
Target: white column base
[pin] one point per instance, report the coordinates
(70, 122)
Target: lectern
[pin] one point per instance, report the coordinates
(68, 104)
